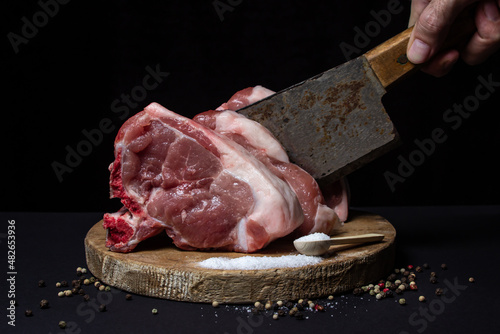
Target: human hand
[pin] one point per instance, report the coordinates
(432, 20)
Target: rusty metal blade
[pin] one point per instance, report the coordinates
(332, 123)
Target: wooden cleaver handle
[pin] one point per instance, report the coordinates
(389, 62)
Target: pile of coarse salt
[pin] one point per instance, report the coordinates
(265, 262)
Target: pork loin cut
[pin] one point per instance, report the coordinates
(205, 190)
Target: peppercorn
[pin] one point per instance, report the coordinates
(396, 271)
(299, 315)
(86, 281)
(319, 308)
(92, 279)
(81, 292)
(293, 311)
(402, 301)
(281, 313)
(391, 277)
(268, 306)
(256, 304)
(372, 293)
(421, 299)
(404, 279)
(44, 303)
(399, 291)
(357, 291)
(101, 287)
(154, 311)
(471, 279)
(279, 303)
(419, 269)
(64, 283)
(289, 304)
(102, 308)
(439, 292)
(62, 324)
(443, 266)
(378, 296)
(389, 293)
(84, 270)
(330, 297)
(413, 286)
(86, 298)
(128, 296)
(275, 316)
(255, 310)
(425, 266)
(74, 291)
(433, 274)
(215, 303)
(402, 287)
(41, 283)
(28, 313)
(97, 284)
(58, 284)
(410, 267)
(68, 293)
(75, 283)
(108, 288)
(433, 280)
(60, 294)
(406, 273)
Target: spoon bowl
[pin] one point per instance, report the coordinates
(320, 247)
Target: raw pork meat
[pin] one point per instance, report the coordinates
(219, 181)
(206, 191)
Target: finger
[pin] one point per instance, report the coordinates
(486, 40)
(431, 28)
(441, 63)
(417, 7)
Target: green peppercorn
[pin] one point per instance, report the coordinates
(92, 279)
(108, 288)
(62, 324)
(154, 311)
(471, 279)
(402, 301)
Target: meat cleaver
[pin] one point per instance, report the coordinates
(334, 122)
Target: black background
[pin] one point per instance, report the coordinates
(65, 78)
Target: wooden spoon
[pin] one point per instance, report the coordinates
(320, 247)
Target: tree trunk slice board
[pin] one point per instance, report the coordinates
(157, 268)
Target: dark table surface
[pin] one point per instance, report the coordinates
(49, 247)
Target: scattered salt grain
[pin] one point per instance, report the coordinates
(259, 262)
(314, 237)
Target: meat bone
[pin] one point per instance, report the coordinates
(335, 122)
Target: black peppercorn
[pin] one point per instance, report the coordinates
(64, 283)
(28, 313)
(439, 292)
(299, 315)
(357, 291)
(75, 283)
(425, 266)
(389, 293)
(62, 324)
(255, 310)
(44, 303)
(443, 266)
(433, 279)
(281, 313)
(289, 305)
(418, 269)
(86, 298)
(128, 296)
(433, 274)
(399, 291)
(102, 308)
(81, 292)
(41, 283)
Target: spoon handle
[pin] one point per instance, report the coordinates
(370, 237)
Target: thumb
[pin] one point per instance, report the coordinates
(431, 28)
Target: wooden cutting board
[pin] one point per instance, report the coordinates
(158, 268)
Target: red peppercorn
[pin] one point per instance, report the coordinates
(381, 285)
(410, 267)
(385, 290)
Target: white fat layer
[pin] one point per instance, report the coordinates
(258, 136)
